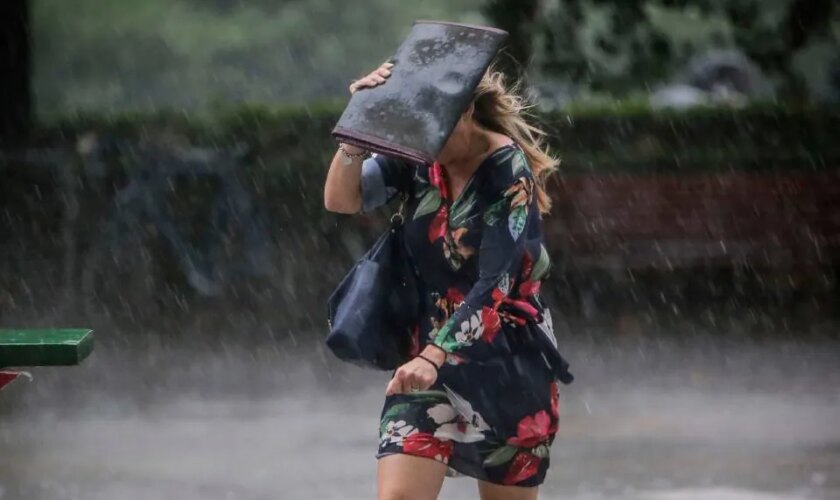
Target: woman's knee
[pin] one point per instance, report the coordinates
(394, 489)
(405, 477)
(395, 495)
(490, 491)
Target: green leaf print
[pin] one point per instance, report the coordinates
(445, 339)
(501, 455)
(391, 414)
(516, 221)
(494, 212)
(542, 265)
(519, 163)
(449, 344)
(430, 395)
(504, 283)
(506, 155)
(462, 210)
(540, 451)
(429, 204)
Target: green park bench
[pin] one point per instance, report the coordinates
(46, 347)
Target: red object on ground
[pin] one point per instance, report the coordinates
(6, 378)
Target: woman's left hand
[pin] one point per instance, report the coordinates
(416, 375)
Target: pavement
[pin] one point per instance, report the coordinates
(645, 420)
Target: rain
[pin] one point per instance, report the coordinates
(161, 183)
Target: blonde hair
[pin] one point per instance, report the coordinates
(501, 109)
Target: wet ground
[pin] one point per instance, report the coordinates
(683, 419)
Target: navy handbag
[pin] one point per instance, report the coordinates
(373, 309)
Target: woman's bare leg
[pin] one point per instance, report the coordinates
(490, 491)
(404, 477)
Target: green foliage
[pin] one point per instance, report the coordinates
(616, 46)
(519, 19)
(632, 138)
(104, 55)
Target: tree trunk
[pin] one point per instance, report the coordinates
(15, 69)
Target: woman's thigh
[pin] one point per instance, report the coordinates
(491, 491)
(406, 477)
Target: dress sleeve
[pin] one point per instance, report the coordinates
(509, 213)
(383, 178)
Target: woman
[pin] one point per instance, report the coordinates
(480, 395)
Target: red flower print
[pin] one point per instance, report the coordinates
(437, 179)
(492, 323)
(523, 466)
(533, 430)
(439, 225)
(527, 264)
(454, 296)
(529, 288)
(524, 307)
(422, 444)
(521, 307)
(555, 400)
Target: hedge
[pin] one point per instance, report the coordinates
(605, 139)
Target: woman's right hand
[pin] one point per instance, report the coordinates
(376, 77)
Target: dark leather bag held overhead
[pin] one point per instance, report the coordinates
(373, 309)
(436, 69)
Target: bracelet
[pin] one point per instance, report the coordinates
(424, 358)
(349, 157)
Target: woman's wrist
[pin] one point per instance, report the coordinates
(352, 150)
(434, 353)
(351, 154)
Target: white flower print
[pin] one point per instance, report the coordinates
(432, 335)
(396, 432)
(457, 421)
(547, 327)
(471, 330)
(453, 426)
(465, 408)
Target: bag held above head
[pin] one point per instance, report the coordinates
(436, 70)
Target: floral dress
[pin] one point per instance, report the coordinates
(492, 413)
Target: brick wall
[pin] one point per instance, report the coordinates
(764, 220)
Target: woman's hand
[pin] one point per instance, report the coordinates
(376, 77)
(418, 374)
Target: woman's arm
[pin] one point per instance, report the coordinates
(342, 189)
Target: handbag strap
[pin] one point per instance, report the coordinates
(398, 217)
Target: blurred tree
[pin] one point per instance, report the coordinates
(518, 18)
(614, 45)
(110, 55)
(15, 49)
